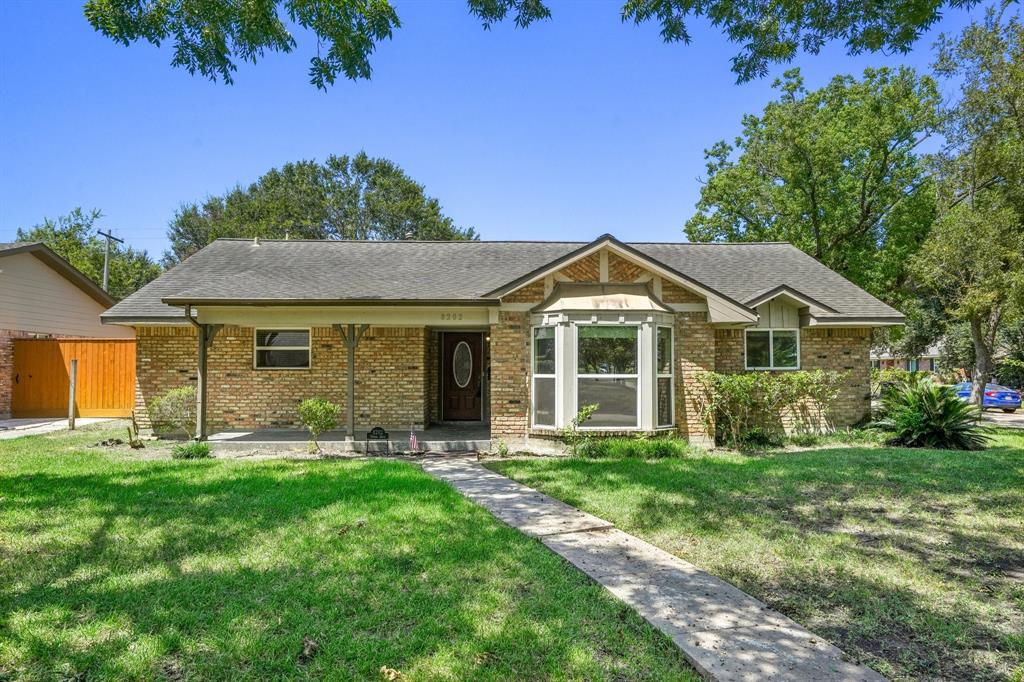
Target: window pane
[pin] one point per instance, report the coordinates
(784, 347)
(757, 349)
(544, 402)
(664, 350)
(616, 400)
(665, 402)
(282, 358)
(544, 350)
(282, 337)
(606, 349)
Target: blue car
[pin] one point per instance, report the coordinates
(1001, 397)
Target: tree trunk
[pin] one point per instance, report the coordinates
(982, 363)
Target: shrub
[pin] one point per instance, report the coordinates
(191, 450)
(634, 448)
(806, 440)
(318, 415)
(733, 404)
(923, 414)
(571, 434)
(760, 438)
(175, 410)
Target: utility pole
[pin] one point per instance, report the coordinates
(106, 256)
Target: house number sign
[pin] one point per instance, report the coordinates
(451, 316)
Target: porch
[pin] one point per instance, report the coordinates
(465, 437)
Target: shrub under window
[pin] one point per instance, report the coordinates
(282, 349)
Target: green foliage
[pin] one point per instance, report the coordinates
(923, 414)
(345, 197)
(833, 171)
(731, 405)
(571, 434)
(73, 237)
(175, 410)
(1010, 372)
(501, 448)
(882, 379)
(211, 36)
(838, 437)
(191, 450)
(635, 448)
(760, 438)
(318, 415)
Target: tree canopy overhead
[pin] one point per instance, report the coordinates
(210, 37)
(357, 197)
(834, 171)
(73, 237)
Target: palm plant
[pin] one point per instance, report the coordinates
(923, 414)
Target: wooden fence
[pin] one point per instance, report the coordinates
(105, 385)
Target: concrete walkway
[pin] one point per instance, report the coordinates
(725, 633)
(16, 428)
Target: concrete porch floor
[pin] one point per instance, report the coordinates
(435, 438)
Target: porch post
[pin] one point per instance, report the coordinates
(201, 385)
(205, 335)
(351, 336)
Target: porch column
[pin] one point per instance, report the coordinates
(351, 335)
(205, 334)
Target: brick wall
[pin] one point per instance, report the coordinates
(694, 340)
(842, 350)
(510, 375)
(391, 383)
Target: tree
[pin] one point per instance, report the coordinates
(73, 238)
(344, 198)
(974, 259)
(834, 171)
(211, 36)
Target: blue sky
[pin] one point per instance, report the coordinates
(574, 127)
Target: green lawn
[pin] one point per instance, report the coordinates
(910, 560)
(116, 568)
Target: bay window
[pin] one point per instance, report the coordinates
(608, 360)
(772, 348)
(665, 389)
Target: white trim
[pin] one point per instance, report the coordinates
(602, 265)
(308, 348)
(534, 376)
(771, 348)
(671, 376)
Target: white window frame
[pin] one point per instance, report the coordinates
(771, 348)
(671, 376)
(576, 376)
(308, 348)
(534, 376)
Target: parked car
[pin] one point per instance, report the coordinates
(1001, 397)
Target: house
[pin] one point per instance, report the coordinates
(927, 361)
(43, 296)
(514, 336)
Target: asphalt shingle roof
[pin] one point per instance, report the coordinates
(336, 271)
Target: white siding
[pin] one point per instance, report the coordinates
(779, 315)
(34, 298)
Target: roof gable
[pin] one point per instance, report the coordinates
(61, 267)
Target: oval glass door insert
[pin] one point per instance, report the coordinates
(462, 364)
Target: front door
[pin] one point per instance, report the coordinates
(462, 376)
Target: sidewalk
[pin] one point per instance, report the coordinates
(16, 428)
(725, 633)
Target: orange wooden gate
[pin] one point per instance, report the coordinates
(104, 386)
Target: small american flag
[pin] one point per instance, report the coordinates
(414, 444)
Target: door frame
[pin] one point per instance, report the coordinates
(485, 375)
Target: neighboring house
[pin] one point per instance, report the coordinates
(513, 335)
(43, 296)
(926, 362)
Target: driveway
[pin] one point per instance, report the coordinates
(1005, 420)
(16, 428)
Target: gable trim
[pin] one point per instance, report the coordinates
(730, 306)
(783, 289)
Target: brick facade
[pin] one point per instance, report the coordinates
(7, 337)
(398, 369)
(391, 376)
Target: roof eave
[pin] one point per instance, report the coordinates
(854, 321)
(307, 302)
